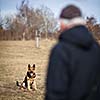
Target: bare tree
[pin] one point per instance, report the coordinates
(49, 21)
(30, 22)
(93, 27)
(1, 27)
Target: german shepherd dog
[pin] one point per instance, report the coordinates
(29, 80)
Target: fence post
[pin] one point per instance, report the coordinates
(37, 39)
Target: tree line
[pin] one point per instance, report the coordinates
(30, 22)
(27, 22)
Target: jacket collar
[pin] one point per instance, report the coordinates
(78, 35)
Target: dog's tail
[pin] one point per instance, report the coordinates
(17, 83)
(20, 85)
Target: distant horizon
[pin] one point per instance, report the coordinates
(88, 7)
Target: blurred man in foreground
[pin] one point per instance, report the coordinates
(74, 63)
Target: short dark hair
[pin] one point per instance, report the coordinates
(70, 11)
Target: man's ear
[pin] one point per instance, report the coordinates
(33, 66)
(29, 66)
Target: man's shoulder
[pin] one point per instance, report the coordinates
(61, 49)
(60, 46)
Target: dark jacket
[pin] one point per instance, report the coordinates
(73, 66)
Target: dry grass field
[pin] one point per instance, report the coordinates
(14, 58)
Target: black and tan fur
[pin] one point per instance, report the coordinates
(29, 80)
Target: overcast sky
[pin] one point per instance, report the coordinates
(88, 7)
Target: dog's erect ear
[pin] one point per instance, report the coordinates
(33, 66)
(29, 66)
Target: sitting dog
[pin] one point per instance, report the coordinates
(29, 80)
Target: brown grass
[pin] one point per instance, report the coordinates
(14, 58)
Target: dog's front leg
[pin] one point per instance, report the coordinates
(34, 85)
(28, 85)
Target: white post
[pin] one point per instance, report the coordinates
(23, 35)
(37, 40)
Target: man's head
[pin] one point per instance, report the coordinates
(70, 12)
(70, 15)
